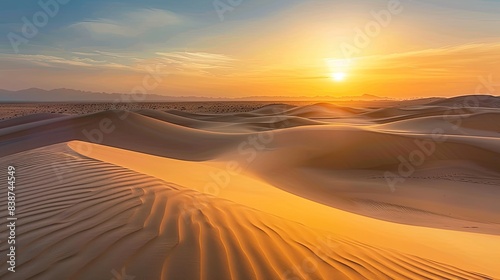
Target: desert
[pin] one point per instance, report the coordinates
(283, 191)
(249, 140)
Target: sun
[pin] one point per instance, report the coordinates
(338, 68)
(338, 76)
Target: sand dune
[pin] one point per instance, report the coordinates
(118, 220)
(244, 189)
(127, 129)
(323, 110)
(231, 124)
(487, 101)
(344, 168)
(283, 177)
(28, 119)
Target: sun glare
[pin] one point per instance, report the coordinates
(338, 76)
(338, 68)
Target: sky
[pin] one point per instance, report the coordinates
(237, 48)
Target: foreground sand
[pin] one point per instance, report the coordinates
(280, 192)
(477, 252)
(100, 219)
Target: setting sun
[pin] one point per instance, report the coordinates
(338, 76)
(338, 68)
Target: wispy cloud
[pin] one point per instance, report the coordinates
(102, 53)
(56, 61)
(130, 24)
(196, 61)
(463, 49)
(460, 61)
(176, 62)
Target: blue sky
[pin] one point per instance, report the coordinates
(85, 40)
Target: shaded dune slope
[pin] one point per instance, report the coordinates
(126, 130)
(231, 123)
(345, 167)
(29, 119)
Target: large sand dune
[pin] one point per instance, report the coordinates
(280, 192)
(100, 218)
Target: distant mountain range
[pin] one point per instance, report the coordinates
(71, 95)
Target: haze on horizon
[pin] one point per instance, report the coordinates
(388, 48)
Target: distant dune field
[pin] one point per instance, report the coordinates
(407, 190)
